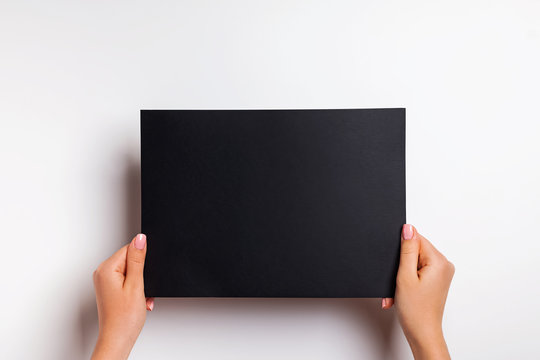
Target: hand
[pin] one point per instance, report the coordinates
(422, 284)
(120, 300)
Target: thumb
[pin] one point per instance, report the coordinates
(136, 253)
(410, 249)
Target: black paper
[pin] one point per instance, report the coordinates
(272, 203)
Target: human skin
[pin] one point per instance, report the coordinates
(121, 303)
(422, 284)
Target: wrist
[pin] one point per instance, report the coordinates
(429, 345)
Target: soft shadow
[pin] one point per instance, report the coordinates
(363, 313)
(132, 198)
(88, 319)
(369, 314)
(88, 325)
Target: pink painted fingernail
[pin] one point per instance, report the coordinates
(140, 241)
(383, 304)
(408, 232)
(151, 305)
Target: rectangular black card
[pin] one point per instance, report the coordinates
(272, 203)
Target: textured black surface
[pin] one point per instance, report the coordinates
(272, 203)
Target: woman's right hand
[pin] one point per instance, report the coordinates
(422, 284)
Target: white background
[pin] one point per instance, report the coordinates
(74, 75)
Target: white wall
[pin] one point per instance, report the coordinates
(74, 74)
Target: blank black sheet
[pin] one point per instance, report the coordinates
(272, 203)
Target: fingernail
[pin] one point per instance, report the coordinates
(407, 232)
(140, 241)
(383, 303)
(151, 305)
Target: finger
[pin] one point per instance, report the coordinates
(136, 253)
(150, 304)
(387, 303)
(410, 249)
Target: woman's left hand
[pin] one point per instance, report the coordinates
(120, 299)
